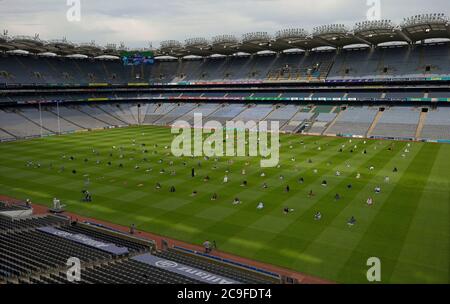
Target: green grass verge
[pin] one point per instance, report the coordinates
(407, 227)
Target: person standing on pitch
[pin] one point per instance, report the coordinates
(207, 246)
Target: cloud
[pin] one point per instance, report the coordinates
(139, 22)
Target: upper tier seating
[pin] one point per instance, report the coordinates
(392, 62)
(384, 62)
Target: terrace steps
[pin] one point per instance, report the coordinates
(110, 114)
(90, 115)
(32, 121)
(9, 133)
(421, 124)
(333, 122)
(374, 123)
(69, 121)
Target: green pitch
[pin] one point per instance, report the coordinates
(407, 227)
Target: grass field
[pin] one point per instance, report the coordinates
(407, 227)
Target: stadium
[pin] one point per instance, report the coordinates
(88, 173)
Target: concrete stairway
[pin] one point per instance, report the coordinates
(421, 124)
(374, 123)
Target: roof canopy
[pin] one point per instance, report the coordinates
(372, 33)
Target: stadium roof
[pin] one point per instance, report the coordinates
(372, 33)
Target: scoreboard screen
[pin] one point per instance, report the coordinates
(137, 58)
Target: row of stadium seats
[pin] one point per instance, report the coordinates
(394, 122)
(217, 268)
(361, 63)
(354, 121)
(398, 123)
(437, 124)
(391, 62)
(10, 207)
(30, 254)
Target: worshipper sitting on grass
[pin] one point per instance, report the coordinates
(386, 179)
(172, 189)
(338, 173)
(317, 216)
(263, 174)
(311, 193)
(337, 197)
(244, 184)
(377, 189)
(351, 221)
(324, 183)
(288, 189)
(225, 179)
(395, 170)
(214, 197)
(207, 178)
(158, 186)
(260, 206)
(301, 180)
(194, 193)
(349, 186)
(369, 201)
(287, 210)
(87, 196)
(236, 201)
(265, 186)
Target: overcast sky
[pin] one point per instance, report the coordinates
(138, 22)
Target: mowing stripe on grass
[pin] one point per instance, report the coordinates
(386, 234)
